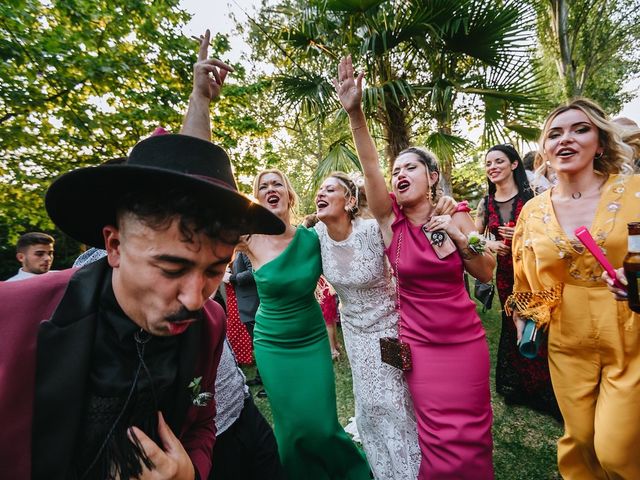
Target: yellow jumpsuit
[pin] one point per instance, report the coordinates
(594, 344)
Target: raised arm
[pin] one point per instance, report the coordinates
(349, 90)
(208, 78)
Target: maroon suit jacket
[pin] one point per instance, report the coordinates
(47, 326)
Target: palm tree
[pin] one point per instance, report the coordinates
(428, 64)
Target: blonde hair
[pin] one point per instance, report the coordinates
(293, 196)
(349, 184)
(617, 155)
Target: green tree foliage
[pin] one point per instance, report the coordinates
(590, 48)
(428, 65)
(81, 82)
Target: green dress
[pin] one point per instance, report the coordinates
(292, 352)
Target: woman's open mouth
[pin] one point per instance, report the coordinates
(566, 152)
(273, 199)
(403, 185)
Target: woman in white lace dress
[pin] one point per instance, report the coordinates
(353, 262)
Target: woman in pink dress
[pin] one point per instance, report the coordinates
(449, 380)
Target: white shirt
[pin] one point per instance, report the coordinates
(21, 275)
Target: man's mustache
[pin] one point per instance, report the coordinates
(184, 314)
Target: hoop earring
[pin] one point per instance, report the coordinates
(598, 156)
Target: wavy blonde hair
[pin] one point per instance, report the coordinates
(293, 196)
(617, 155)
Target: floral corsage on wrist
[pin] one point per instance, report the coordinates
(477, 243)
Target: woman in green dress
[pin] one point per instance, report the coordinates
(291, 346)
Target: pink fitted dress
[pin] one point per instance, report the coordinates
(449, 381)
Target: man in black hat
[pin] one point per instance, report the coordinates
(108, 371)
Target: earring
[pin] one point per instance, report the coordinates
(598, 156)
(430, 196)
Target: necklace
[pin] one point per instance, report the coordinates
(578, 195)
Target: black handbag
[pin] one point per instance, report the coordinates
(484, 292)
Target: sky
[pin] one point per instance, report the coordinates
(214, 14)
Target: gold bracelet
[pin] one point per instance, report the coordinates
(358, 128)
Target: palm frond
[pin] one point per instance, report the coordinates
(311, 95)
(339, 158)
(445, 146)
(491, 32)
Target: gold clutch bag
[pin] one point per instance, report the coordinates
(396, 353)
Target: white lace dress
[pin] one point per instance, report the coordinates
(357, 269)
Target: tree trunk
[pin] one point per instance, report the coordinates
(396, 132)
(446, 164)
(565, 64)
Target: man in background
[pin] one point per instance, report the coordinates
(34, 251)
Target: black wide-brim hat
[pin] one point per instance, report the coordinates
(84, 201)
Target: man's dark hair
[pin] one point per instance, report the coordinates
(158, 209)
(33, 238)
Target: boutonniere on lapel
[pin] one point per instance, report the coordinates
(198, 397)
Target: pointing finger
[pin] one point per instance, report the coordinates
(204, 46)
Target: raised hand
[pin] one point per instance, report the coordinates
(172, 463)
(208, 73)
(348, 86)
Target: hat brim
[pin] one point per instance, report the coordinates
(82, 202)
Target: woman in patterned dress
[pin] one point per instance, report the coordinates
(518, 379)
(594, 341)
(353, 262)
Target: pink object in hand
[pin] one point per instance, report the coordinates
(587, 240)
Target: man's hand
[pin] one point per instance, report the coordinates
(208, 73)
(208, 76)
(172, 463)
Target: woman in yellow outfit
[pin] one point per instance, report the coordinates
(594, 341)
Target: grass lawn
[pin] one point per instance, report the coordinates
(524, 441)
